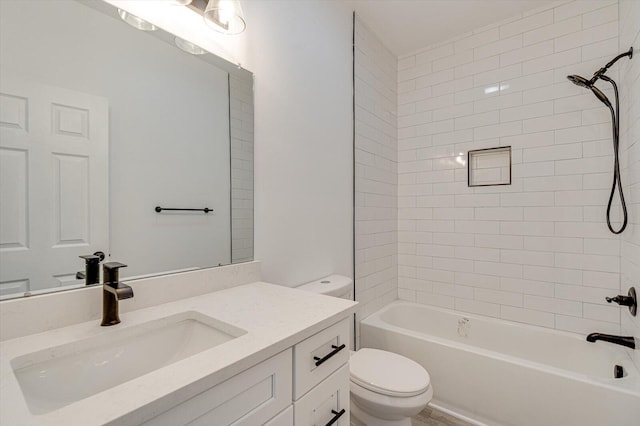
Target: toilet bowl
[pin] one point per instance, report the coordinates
(386, 389)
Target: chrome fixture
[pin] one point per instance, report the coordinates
(189, 47)
(631, 300)
(615, 119)
(113, 291)
(225, 16)
(627, 341)
(91, 274)
(135, 21)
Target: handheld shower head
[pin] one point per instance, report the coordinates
(579, 81)
(583, 82)
(603, 98)
(615, 114)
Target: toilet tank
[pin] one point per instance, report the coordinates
(333, 285)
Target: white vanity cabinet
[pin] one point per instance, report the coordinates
(327, 403)
(249, 398)
(321, 377)
(305, 385)
(283, 419)
(286, 363)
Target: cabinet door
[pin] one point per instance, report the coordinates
(326, 402)
(320, 355)
(283, 419)
(249, 398)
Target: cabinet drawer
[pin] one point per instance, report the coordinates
(318, 356)
(326, 402)
(283, 419)
(249, 398)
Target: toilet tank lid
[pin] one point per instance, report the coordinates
(333, 285)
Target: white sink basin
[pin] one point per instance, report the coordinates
(58, 376)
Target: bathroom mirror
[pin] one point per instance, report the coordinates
(104, 129)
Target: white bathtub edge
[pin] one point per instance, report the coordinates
(457, 415)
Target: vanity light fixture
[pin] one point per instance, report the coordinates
(136, 22)
(189, 47)
(225, 16)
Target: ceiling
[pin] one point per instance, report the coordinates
(405, 26)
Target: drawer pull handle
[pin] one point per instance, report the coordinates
(336, 417)
(335, 350)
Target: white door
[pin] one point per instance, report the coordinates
(53, 184)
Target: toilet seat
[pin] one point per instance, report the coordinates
(372, 408)
(388, 374)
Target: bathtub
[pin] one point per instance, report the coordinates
(494, 372)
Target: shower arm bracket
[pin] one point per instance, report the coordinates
(604, 69)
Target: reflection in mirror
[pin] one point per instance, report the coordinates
(100, 123)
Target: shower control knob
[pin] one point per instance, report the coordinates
(631, 301)
(620, 300)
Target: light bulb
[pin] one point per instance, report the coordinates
(189, 47)
(136, 22)
(225, 16)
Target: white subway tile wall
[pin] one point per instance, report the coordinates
(537, 251)
(630, 162)
(241, 118)
(376, 168)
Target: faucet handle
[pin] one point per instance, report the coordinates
(631, 301)
(114, 265)
(96, 257)
(111, 271)
(90, 258)
(91, 273)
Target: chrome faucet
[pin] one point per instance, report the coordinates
(627, 341)
(113, 291)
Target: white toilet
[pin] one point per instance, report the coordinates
(387, 389)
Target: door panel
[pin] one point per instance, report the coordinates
(71, 200)
(14, 189)
(54, 184)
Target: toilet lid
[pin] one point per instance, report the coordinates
(388, 373)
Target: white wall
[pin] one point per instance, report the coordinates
(301, 55)
(376, 174)
(630, 159)
(537, 251)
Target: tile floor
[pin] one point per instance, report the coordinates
(432, 417)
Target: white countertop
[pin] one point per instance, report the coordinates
(274, 317)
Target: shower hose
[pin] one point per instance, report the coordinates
(616, 168)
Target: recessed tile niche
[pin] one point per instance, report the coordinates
(489, 166)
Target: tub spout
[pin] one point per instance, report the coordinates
(627, 341)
